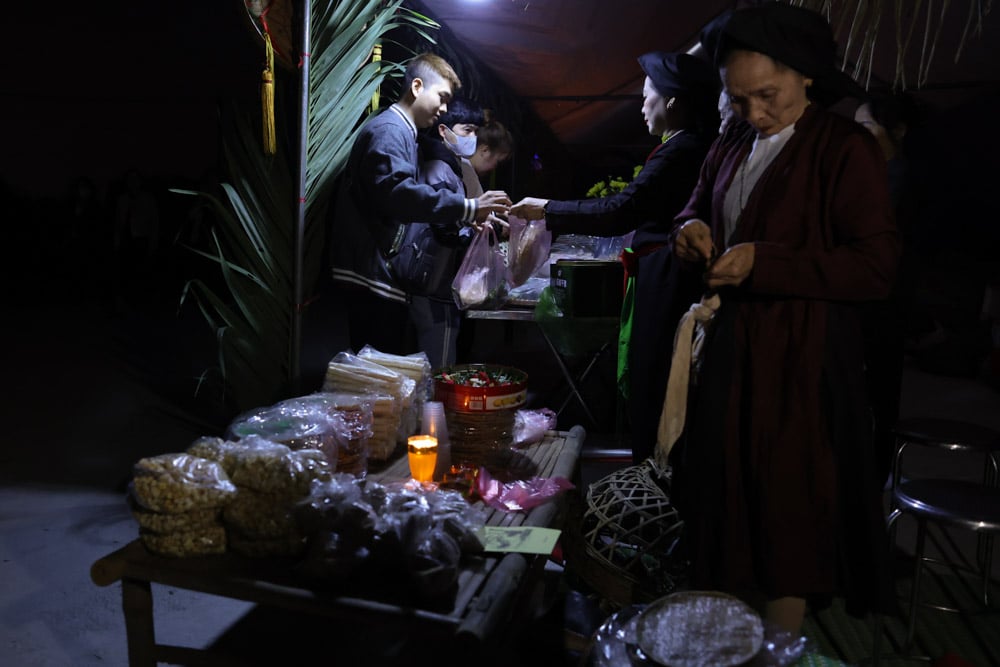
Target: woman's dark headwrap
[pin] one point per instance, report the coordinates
(688, 77)
(797, 37)
(674, 74)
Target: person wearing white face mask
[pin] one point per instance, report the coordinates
(462, 145)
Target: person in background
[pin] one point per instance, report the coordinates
(791, 226)
(380, 192)
(445, 149)
(726, 114)
(494, 145)
(680, 93)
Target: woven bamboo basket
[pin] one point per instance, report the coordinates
(626, 545)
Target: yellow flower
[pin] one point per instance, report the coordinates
(613, 185)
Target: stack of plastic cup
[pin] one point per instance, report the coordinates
(433, 423)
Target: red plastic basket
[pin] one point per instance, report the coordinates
(468, 398)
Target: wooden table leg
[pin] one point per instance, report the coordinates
(137, 603)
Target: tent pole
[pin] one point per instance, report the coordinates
(300, 202)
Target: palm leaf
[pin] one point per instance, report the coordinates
(253, 246)
(342, 80)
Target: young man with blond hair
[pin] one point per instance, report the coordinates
(380, 193)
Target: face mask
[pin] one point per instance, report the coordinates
(460, 146)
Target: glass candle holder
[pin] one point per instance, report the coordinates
(421, 452)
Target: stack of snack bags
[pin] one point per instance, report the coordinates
(305, 422)
(178, 500)
(220, 494)
(270, 479)
(395, 415)
(416, 366)
(396, 536)
(356, 416)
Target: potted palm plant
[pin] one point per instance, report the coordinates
(253, 242)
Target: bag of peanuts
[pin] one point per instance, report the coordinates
(177, 500)
(216, 449)
(174, 483)
(270, 467)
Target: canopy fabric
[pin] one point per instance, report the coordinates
(574, 61)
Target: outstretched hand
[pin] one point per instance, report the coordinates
(492, 202)
(499, 225)
(529, 208)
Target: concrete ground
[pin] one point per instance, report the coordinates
(91, 390)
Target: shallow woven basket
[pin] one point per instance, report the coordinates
(628, 544)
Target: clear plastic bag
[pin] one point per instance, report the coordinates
(270, 467)
(296, 423)
(373, 535)
(530, 242)
(483, 279)
(530, 425)
(174, 483)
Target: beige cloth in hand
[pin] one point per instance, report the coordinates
(688, 342)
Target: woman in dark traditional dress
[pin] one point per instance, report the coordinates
(680, 94)
(775, 475)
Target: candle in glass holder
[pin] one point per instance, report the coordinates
(421, 452)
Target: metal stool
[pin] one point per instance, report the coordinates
(963, 504)
(954, 436)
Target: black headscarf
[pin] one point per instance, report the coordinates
(680, 74)
(692, 79)
(794, 36)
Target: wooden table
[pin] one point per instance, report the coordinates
(491, 587)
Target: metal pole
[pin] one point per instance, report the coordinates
(295, 370)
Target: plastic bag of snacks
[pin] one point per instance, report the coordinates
(530, 243)
(415, 366)
(270, 467)
(262, 524)
(350, 373)
(295, 424)
(163, 522)
(258, 515)
(196, 542)
(364, 533)
(216, 449)
(175, 483)
(371, 420)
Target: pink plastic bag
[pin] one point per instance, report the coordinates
(519, 495)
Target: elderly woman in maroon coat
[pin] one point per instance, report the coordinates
(791, 224)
